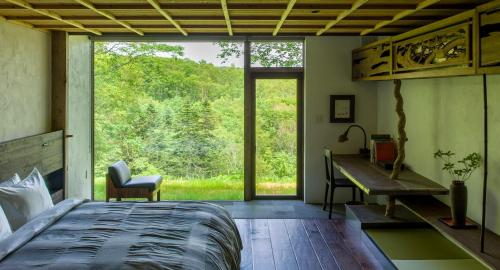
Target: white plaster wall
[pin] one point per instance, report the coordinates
(328, 72)
(447, 113)
(25, 88)
(79, 118)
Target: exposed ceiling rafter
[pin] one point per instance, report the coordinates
(341, 16)
(400, 15)
(285, 14)
(52, 15)
(156, 5)
(226, 16)
(261, 5)
(2, 18)
(109, 16)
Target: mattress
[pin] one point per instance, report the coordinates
(79, 234)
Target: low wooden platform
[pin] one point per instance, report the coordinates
(431, 209)
(372, 216)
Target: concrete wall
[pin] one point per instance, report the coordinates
(79, 118)
(25, 87)
(447, 114)
(328, 72)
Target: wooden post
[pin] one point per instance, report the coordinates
(401, 130)
(59, 79)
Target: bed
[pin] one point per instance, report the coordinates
(81, 234)
(128, 235)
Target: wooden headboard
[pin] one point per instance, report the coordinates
(44, 151)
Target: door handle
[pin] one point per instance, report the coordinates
(69, 136)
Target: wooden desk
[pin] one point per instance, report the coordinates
(374, 180)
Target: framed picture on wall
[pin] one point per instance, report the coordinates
(342, 108)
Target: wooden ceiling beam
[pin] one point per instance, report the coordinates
(216, 26)
(167, 16)
(400, 15)
(233, 18)
(242, 6)
(52, 15)
(285, 14)
(109, 16)
(341, 16)
(226, 16)
(20, 23)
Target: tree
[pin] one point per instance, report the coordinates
(265, 53)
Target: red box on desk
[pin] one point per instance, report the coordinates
(385, 151)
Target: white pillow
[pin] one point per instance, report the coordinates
(25, 200)
(5, 230)
(12, 181)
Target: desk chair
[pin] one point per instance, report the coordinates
(120, 184)
(332, 182)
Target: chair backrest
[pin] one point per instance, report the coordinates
(330, 174)
(119, 174)
(328, 164)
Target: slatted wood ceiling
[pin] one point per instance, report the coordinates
(227, 17)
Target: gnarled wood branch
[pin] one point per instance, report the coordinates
(401, 130)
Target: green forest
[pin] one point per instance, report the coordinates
(166, 114)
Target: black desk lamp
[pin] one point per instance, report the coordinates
(343, 138)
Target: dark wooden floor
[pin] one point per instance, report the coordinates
(307, 244)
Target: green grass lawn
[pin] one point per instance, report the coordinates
(217, 188)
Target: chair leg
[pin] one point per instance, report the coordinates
(331, 202)
(118, 199)
(353, 194)
(150, 197)
(361, 195)
(326, 196)
(158, 196)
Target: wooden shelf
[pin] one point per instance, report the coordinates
(431, 209)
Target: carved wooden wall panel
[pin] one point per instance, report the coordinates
(443, 48)
(372, 61)
(490, 37)
(465, 44)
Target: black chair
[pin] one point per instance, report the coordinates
(332, 182)
(120, 184)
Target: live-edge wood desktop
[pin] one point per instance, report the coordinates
(414, 192)
(374, 180)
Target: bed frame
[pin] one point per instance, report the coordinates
(44, 151)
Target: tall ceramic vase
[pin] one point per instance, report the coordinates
(458, 192)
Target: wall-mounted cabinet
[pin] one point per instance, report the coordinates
(373, 62)
(489, 37)
(464, 44)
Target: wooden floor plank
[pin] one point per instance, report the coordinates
(261, 245)
(343, 255)
(303, 250)
(325, 256)
(307, 244)
(353, 241)
(284, 257)
(245, 229)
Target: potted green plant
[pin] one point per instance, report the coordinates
(461, 171)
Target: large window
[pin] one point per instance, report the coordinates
(178, 109)
(174, 109)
